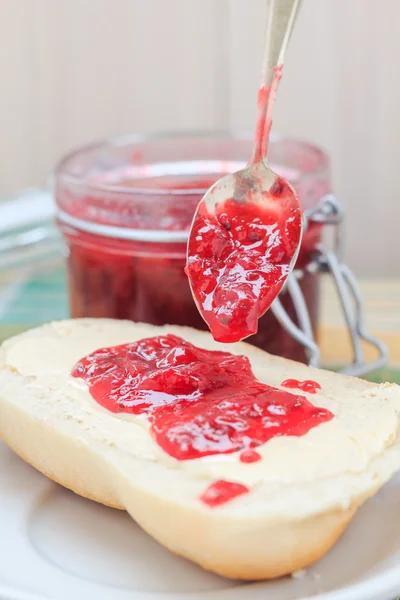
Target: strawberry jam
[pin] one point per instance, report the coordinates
(222, 491)
(250, 456)
(198, 402)
(312, 387)
(238, 260)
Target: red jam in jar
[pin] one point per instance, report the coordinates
(125, 209)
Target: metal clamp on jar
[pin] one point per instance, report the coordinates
(327, 260)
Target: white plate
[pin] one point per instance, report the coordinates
(56, 545)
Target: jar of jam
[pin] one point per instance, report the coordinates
(125, 208)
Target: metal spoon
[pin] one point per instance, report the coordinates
(246, 232)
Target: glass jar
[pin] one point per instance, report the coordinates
(125, 207)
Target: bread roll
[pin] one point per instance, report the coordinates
(303, 491)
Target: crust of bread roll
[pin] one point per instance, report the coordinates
(249, 538)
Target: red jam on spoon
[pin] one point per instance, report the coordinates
(239, 257)
(198, 402)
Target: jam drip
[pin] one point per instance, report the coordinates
(198, 402)
(239, 259)
(312, 387)
(250, 456)
(222, 491)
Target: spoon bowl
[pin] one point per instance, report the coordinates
(244, 242)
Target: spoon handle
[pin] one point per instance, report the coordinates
(281, 15)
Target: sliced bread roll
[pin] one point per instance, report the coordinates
(301, 493)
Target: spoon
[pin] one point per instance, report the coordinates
(247, 229)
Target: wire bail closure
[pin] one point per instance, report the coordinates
(329, 211)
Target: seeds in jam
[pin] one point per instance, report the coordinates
(198, 402)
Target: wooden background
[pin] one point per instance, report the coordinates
(76, 70)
